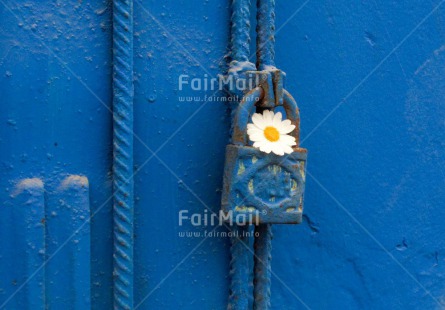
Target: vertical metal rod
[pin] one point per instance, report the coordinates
(241, 281)
(240, 38)
(240, 287)
(265, 34)
(263, 243)
(263, 257)
(123, 152)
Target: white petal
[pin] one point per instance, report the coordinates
(277, 119)
(266, 147)
(252, 126)
(258, 144)
(256, 137)
(254, 130)
(286, 129)
(268, 117)
(284, 123)
(287, 149)
(288, 140)
(258, 120)
(278, 149)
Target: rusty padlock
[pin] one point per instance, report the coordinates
(261, 187)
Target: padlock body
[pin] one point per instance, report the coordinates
(263, 188)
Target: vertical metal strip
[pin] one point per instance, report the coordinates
(68, 238)
(76, 192)
(123, 152)
(27, 248)
(265, 34)
(263, 257)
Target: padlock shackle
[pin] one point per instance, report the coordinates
(242, 115)
(292, 114)
(247, 107)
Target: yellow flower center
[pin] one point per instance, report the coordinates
(271, 134)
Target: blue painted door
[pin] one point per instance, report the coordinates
(368, 77)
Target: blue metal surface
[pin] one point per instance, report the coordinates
(173, 38)
(371, 73)
(371, 106)
(68, 245)
(55, 121)
(22, 255)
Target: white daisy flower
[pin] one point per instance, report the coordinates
(270, 134)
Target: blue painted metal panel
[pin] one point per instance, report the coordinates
(55, 96)
(372, 235)
(22, 248)
(68, 247)
(174, 38)
(368, 77)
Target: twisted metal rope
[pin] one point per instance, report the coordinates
(241, 284)
(263, 243)
(265, 34)
(263, 257)
(123, 152)
(240, 38)
(241, 281)
(240, 272)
